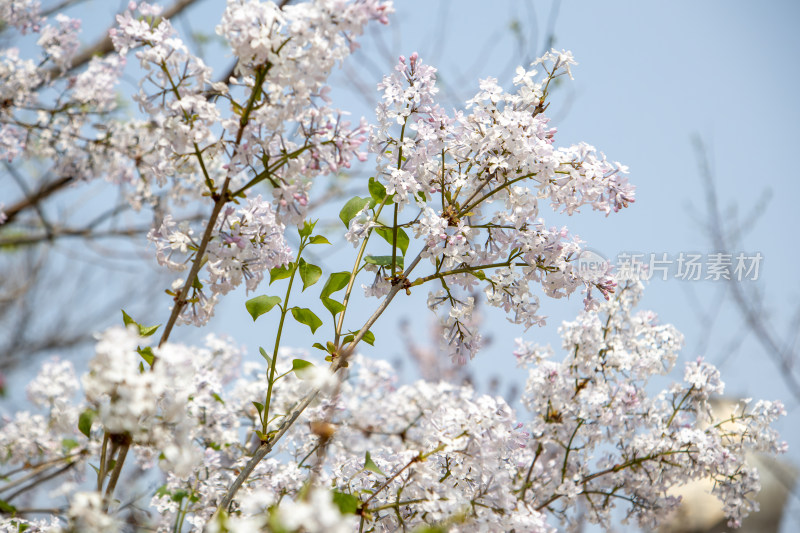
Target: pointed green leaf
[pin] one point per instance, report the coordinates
(377, 190)
(351, 209)
(333, 306)
(402, 237)
(144, 331)
(259, 407)
(300, 364)
(319, 239)
(371, 466)
(309, 273)
(347, 503)
(384, 260)
(336, 282)
(85, 421)
(7, 508)
(281, 272)
(265, 356)
(318, 346)
(369, 338)
(479, 274)
(307, 317)
(147, 354)
(127, 320)
(307, 228)
(261, 304)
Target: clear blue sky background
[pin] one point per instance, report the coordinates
(650, 76)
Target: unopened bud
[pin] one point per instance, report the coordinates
(322, 429)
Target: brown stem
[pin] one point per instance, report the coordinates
(112, 481)
(32, 200)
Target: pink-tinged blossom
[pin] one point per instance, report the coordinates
(97, 83)
(477, 177)
(22, 14)
(18, 78)
(12, 141)
(245, 243)
(60, 43)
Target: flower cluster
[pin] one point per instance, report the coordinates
(476, 178)
(424, 453)
(245, 244)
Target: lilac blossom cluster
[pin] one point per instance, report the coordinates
(435, 453)
(475, 179)
(245, 244)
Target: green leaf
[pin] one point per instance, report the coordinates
(264, 355)
(69, 444)
(144, 331)
(307, 228)
(319, 346)
(332, 305)
(384, 260)
(179, 495)
(402, 237)
(351, 209)
(300, 364)
(127, 320)
(377, 190)
(347, 503)
(318, 239)
(281, 272)
(336, 282)
(369, 338)
(259, 407)
(370, 465)
(260, 305)
(309, 273)
(147, 354)
(85, 421)
(307, 317)
(479, 274)
(218, 398)
(7, 508)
